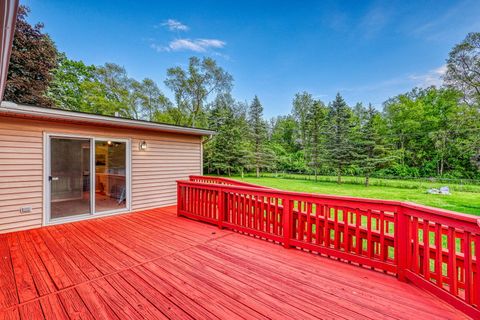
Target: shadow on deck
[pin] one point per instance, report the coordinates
(154, 265)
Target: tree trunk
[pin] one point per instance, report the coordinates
(258, 172)
(315, 174)
(441, 165)
(339, 176)
(367, 180)
(242, 173)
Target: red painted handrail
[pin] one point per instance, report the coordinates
(225, 181)
(436, 249)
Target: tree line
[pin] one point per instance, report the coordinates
(425, 132)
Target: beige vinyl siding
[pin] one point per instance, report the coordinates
(155, 170)
(168, 157)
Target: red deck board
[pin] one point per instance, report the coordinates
(8, 291)
(135, 298)
(74, 305)
(365, 287)
(10, 314)
(154, 265)
(40, 275)
(176, 294)
(159, 299)
(23, 278)
(52, 307)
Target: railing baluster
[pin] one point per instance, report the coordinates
(327, 226)
(346, 241)
(414, 261)
(477, 270)
(438, 255)
(452, 261)
(358, 240)
(300, 226)
(426, 249)
(318, 228)
(309, 222)
(369, 234)
(467, 265)
(269, 213)
(287, 222)
(335, 229)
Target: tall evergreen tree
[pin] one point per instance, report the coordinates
(258, 133)
(340, 146)
(317, 116)
(227, 151)
(371, 145)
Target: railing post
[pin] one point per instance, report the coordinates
(221, 207)
(287, 222)
(179, 198)
(401, 242)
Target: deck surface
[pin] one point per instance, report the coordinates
(154, 265)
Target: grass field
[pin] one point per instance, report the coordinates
(460, 201)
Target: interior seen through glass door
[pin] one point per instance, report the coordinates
(110, 175)
(69, 177)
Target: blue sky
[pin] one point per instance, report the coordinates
(366, 50)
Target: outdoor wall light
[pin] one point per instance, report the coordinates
(142, 146)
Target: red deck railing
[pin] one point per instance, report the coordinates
(435, 249)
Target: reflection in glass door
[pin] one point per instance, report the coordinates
(69, 177)
(110, 176)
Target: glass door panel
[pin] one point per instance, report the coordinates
(110, 176)
(69, 177)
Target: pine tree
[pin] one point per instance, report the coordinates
(371, 146)
(340, 145)
(258, 134)
(316, 141)
(227, 151)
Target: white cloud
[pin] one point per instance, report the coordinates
(375, 21)
(196, 45)
(431, 78)
(175, 25)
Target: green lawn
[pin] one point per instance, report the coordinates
(460, 201)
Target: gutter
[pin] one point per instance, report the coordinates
(17, 110)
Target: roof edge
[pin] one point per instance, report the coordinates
(12, 108)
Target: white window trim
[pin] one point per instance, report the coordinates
(46, 172)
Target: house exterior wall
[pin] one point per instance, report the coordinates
(169, 157)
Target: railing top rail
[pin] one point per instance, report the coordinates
(361, 202)
(231, 181)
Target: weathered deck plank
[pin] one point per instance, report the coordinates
(153, 265)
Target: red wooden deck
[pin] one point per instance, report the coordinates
(155, 265)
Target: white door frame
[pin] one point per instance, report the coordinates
(47, 185)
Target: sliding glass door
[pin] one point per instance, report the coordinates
(86, 176)
(69, 177)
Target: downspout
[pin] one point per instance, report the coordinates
(8, 18)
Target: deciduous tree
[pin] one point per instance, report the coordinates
(32, 61)
(192, 86)
(463, 68)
